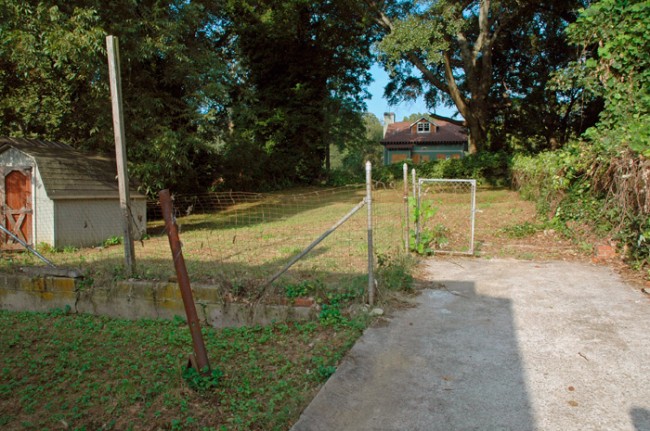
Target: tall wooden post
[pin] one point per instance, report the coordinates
(113, 50)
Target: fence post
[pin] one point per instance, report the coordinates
(413, 177)
(200, 354)
(416, 198)
(113, 51)
(371, 257)
(407, 244)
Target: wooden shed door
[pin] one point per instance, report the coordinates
(17, 208)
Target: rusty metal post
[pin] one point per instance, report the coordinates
(200, 353)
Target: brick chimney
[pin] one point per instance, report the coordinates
(389, 118)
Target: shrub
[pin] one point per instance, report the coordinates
(606, 190)
(485, 167)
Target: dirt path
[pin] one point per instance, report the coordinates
(500, 345)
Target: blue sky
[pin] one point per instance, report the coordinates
(378, 105)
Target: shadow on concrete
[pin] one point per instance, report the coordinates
(640, 419)
(451, 363)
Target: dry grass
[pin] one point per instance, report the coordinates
(246, 242)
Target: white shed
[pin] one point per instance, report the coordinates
(51, 193)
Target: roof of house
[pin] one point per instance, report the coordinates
(68, 173)
(400, 133)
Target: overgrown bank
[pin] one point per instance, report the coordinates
(586, 192)
(582, 192)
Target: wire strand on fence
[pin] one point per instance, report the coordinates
(237, 240)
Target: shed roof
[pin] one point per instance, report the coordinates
(400, 133)
(68, 173)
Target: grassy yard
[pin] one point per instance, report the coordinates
(62, 371)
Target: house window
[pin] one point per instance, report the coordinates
(424, 127)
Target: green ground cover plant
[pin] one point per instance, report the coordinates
(81, 372)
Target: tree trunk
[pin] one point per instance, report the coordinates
(328, 165)
(477, 134)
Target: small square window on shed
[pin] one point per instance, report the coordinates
(424, 127)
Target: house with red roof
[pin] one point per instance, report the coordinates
(422, 140)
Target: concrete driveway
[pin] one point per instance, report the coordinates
(499, 345)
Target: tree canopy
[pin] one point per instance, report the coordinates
(488, 58)
(255, 93)
(211, 87)
(54, 80)
(614, 41)
(306, 65)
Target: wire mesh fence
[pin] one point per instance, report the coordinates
(237, 241)
(445, 222)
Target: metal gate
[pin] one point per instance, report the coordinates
(444, 221)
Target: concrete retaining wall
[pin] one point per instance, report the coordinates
(138, 299)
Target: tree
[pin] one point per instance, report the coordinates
(415, 117)
(48, 70)
(530, 113)
(615, 65)
(453, 47)
(306, 65)
(247, 91)
(53, 80)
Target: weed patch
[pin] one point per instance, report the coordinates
(91, 372)
(522, 230)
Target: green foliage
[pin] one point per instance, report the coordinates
(88, 372)
(580, 187)
(485, 167)
(330, 314)
(323, 372)
(490, 60)
(305, 63)
(114, 240)
(233, 94)
(394, 272)
(57, 312)
(303, 288)
(600, 183)
(541, 178)
(615, 66)
(54, 84)
(203, 380)
(530, 114)
(331, 303)
(424, 238)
